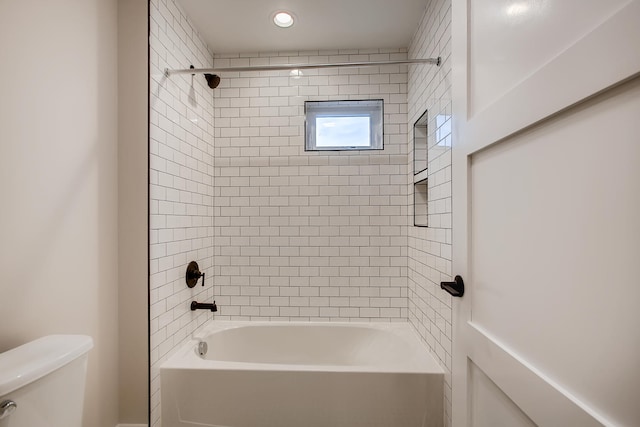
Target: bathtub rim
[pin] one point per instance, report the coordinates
(186, 357)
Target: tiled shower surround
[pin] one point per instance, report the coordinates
(181, 184)
(317, 235)
(429, 249)
(285, 234)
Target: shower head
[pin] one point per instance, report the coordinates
(213, 80)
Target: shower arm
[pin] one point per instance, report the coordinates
(288, 67)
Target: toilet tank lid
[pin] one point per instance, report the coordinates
(33, 360)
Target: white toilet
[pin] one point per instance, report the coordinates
(42, 382)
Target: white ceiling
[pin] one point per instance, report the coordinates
(231, 26)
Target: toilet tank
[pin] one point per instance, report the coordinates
(45, 379)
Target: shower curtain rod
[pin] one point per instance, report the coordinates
(286, 67)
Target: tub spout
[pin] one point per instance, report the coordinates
(204, 306)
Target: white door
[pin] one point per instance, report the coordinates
(546, 212)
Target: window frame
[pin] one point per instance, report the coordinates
(342, 107)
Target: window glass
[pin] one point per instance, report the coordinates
(344, 125)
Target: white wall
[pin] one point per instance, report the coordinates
(430, 248)
(58, 183)
(133, 277)
(181, 184)
(308, 235)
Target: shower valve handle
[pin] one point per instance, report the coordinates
(193, 274)
(201, 275)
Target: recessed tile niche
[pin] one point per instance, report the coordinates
(420, 171)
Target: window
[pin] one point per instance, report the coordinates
(344, 125)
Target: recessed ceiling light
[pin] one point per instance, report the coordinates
(283, 19)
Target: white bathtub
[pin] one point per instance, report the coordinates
(281, 374)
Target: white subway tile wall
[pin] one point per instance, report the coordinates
(308, 235)
(181, 184)
(429, 249)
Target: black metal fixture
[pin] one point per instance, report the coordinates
(213, 80)
(456, 288)
(203, 306)
(193, 274)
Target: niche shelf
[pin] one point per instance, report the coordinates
(420, 172)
